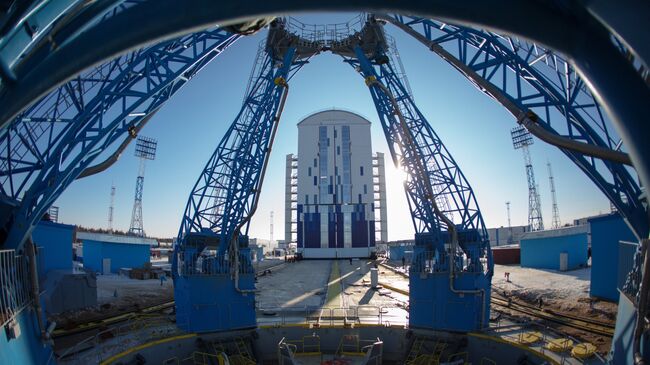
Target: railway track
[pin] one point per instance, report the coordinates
(103, 322)
(587, 325)
(592, 326)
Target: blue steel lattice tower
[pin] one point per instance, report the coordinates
(145, 149)
(521, 139)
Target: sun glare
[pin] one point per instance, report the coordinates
(397, 175)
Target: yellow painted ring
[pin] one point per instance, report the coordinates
(559, 344)
(583, 350)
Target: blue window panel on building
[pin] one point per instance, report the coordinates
(331, 230)
(315, 181)
(311, 226)
(299, 224)
(121, 255)
(361, 170)
(54, 242)
(359, 231)
(323, 142)
(362, 230)
(309, 174)
(347, 179)
(606, 232)
(340, 229)
(544, 252)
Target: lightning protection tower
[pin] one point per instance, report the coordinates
(145, 149)
(510, 239)
(271, 228)
(521, 139)
(111, 208)
(556, 212)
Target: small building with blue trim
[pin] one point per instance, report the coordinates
(558, 249)
(108, 253)
(54, 242)
(610, 259)
(399, 252)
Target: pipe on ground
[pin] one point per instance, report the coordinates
(30, 249)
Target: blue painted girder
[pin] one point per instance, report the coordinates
(571, 31)
(452, 191)
(228, 186)
(53, 141)
(524, 76)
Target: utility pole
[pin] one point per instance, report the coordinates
(556, 212)
(521, 139)
(145, 149)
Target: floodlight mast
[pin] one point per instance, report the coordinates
(145, 149)
(521, 139)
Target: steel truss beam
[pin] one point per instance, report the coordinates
(224, 196)
(52, 142)
(452, 192)
(523, 77)
(572, 31)
(581, 34)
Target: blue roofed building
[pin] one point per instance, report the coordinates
(108, 253)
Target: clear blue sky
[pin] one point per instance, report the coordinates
(475, 129)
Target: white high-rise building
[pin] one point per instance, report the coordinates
(335, 199)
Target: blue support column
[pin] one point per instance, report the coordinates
(447, 281)
(220, 206)
(207, 299)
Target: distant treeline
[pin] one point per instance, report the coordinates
(118, 233)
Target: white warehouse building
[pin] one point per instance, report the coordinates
(335, 199)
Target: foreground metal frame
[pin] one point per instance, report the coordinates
(582, 34)
(51, 143)
(616, 183)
